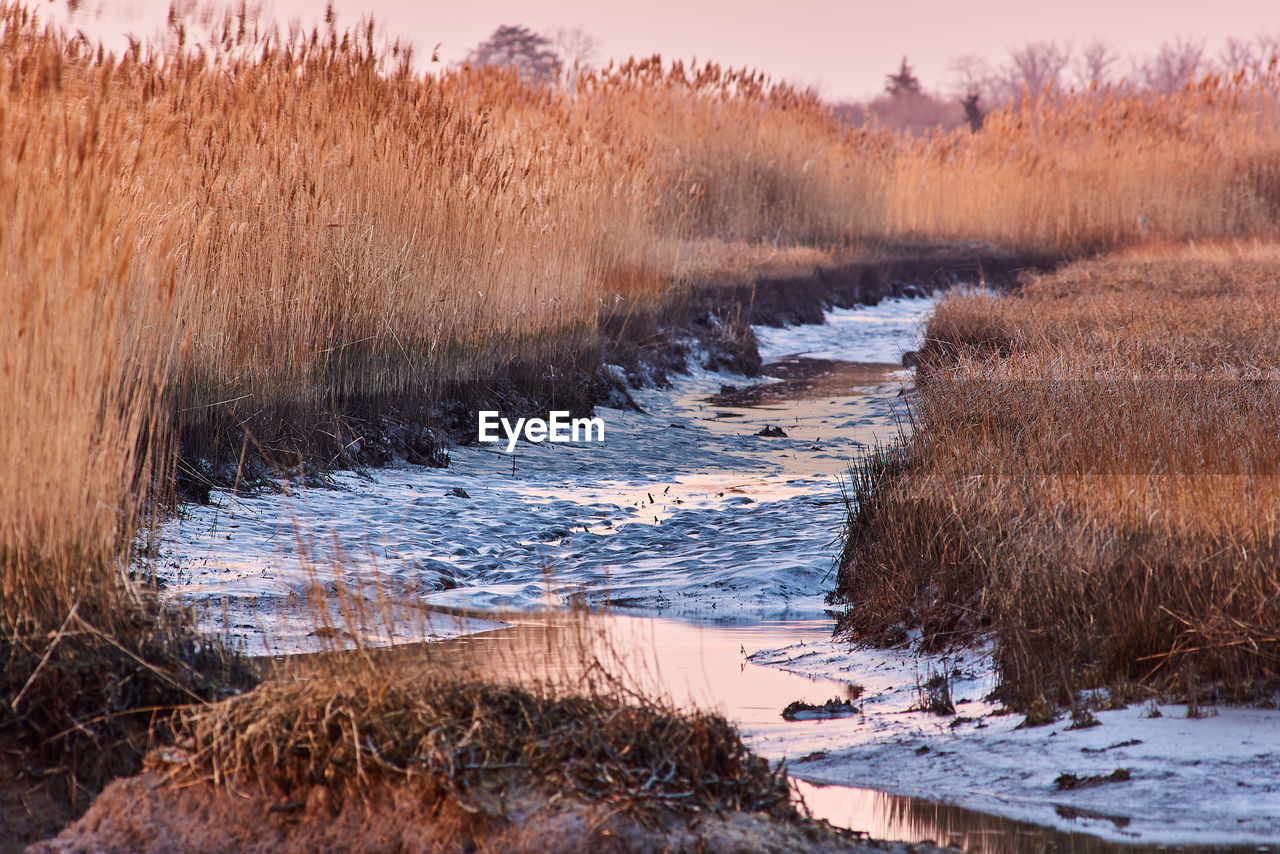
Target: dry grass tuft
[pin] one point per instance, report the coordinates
(353, 722)
(1092, 474)
(84, 706)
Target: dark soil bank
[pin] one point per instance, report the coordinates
(150, 814)
(637, 346)
(899, 271)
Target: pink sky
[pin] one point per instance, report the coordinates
(843, 48)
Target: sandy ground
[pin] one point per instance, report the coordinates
(149, 814)
(728, 539)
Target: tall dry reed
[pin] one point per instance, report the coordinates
(81, 373)
(1080, 171)
(1094, 475)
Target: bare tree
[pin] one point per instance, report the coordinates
(1172, 66)
(1238, 55)
(1095, 64)
(1268, 50)
(520, 48)
(970, 75)
(1251, 57)
(1036, 67)
(576, 46)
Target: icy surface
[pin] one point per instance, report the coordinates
(877, 333)
(1208, 780)
(683, 510)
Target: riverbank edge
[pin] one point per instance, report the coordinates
(165, 815)
(1075, 688)
(708, 322)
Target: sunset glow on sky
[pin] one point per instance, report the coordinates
(842, 48)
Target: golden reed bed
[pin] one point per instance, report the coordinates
(265, 229)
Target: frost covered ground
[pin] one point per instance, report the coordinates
(1211, 781)
(1208, 780)
(721, 542)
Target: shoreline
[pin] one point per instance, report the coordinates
(708, 322)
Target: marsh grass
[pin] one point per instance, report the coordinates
(266, 243)
(1091, 475)
(85, 706)
(88, 655)
(355, 720)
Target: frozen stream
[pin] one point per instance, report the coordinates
(682, 511)
(715, 547)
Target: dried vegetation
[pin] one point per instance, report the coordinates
(1091, 475)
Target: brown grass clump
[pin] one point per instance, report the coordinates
(473, 740)
(444, 747)
(459, 737)
(83, 706)
(1092, 475)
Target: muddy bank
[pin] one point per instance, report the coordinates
(893, 271)
(708, 324)
(803, 378)
(150, 813)
(32, 806)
